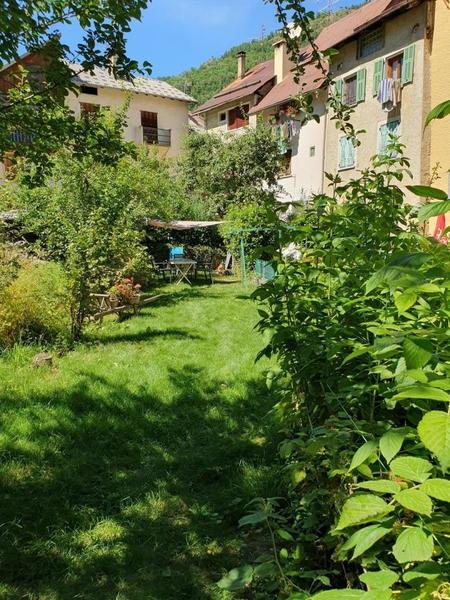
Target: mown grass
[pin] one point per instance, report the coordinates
(125, 467)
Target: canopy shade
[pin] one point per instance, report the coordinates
(182, 225)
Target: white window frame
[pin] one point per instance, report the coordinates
(222, 121)
(379, 125)
(353, 166)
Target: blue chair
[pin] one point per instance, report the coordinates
(177, 252)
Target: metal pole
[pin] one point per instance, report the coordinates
(243, 265)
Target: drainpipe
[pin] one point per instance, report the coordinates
(325, 131)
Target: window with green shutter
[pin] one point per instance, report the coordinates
(361, 77)
(408, 64)
(338, 88)
(346, 153)
(378, 74)
(386, 133)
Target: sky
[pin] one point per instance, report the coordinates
(175, 35)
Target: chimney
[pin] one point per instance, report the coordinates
(282, 63)
(241, 64)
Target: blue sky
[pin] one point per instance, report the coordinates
(175, 35)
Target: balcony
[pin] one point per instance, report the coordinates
(156, 136)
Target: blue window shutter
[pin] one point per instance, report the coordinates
(408, 64)
(377, 76)
(346, 153)
(387, 130)
(342, 148)
(361, 77)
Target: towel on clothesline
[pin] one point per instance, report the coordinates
(389, 93)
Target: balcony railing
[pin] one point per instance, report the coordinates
(154, 135)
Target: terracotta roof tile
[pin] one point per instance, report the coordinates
(254, 79)
(313, 79)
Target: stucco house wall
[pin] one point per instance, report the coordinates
(212, 123)
(307, 159)
(440, 91)
(172, 114)
(400, 32)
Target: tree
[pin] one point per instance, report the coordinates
(32, 26)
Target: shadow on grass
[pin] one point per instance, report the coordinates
(147, 335)
(111, 494)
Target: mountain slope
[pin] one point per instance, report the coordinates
(209, 78)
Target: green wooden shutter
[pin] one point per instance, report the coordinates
(342, 148)
(377, 76)
(338, 88)
(361, 77)
(408, 64)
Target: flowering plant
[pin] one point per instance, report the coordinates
(291, 111)
(126, 290)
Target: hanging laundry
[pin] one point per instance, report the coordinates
(397, 92)
(386, 94)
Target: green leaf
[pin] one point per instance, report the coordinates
(391, 443)
(434, 431)
(364, 539)
(285, 535)
(426, 191)
(439, 112)
(437, 488)
(405, 300)
(345, 594)
(415, 500)
(355, 354)
(411, 468)
(253, 518)
(384, 486)
(413, 545)
(266, 569)
(361, 508)
(424, 392)
(417, 352)
(429, 570)
(379, 580)
(362, 454)
(236, 579)
(433, 210)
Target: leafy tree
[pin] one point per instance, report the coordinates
(32, 26)
(233, 170)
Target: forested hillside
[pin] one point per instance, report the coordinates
(206, 80)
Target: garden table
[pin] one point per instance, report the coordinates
(183, 266)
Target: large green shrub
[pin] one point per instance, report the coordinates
(90, 216)
(34, 307)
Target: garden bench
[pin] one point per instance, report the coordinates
(105, 305)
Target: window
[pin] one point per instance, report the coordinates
(350, 90)
(346, 153)
(371, 42)
(394, 66)
(312, 151)
(238, 117)
(385, 134)
(222, 117)
(87, 89)
(88, 110)
(285, 164)
(149, 122)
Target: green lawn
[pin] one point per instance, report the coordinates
(125, 467)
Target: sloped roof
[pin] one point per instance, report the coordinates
(138, 85)
(254, 79)
(353, 23)
(312, 80)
